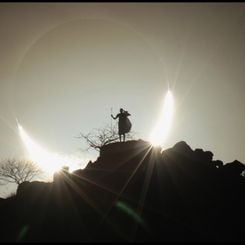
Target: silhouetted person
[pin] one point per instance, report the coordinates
(124, 124)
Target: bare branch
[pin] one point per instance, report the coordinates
(100, 137)
(17, 171)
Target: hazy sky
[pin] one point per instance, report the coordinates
(65, 65)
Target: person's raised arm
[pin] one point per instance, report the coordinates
(114, 117)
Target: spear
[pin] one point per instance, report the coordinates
(111, 117)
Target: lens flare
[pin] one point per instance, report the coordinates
(161, 130)
(48, 161)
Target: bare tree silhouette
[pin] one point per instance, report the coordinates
(17, 171)
(99, 137)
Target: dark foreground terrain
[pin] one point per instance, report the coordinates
(132, 192)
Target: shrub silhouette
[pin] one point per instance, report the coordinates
(18, 171)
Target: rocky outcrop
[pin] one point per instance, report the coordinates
(133, 192)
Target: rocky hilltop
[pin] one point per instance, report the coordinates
(132, 192)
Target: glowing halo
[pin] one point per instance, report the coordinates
(161, 130)
(49, 162)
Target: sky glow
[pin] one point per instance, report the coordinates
(48, 161)
(162, 128)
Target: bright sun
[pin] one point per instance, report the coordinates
(49, 162)
(160, 132)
